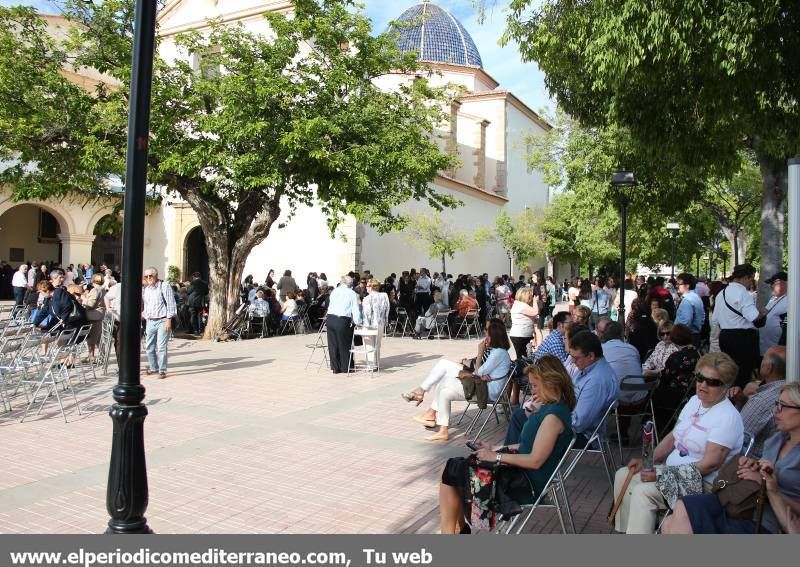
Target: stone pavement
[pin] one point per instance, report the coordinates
(241, 439)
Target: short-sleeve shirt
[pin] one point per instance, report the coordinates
(720, 424)
(787, 470)
(540, 476)
(737, 297)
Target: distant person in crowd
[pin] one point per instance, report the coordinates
(601, 302)
(659, 315)
(572, 295)
(312, 286)
(42, 318)
(761, 397)
(776, 308)
(677, 375)
(422, 290)
(690, 310)
(708, 432)
(20, 284)
(524, 316)
(543, 442)
(285, 285)
(196, 301)
(444, 379)
(654, 364)
(622, 357)
(289, 309)
(322, 280)
(95, 306)
(736, 314)
(427, 321)
(658, 293)
(158, 310)
(375, 307)
(343, 313)
(641, 329)
(270, 281)
(582, 315)
(553, 345)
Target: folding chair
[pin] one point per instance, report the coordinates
(53, 374)
(292, 322)
(688, 393)
(597, 443)
(320, 343)
(403, 322)
(548, 498)
(641, 384)
(502, 400)
(470, 324)
(365, 349)
(441, 323)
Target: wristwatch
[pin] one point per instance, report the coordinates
(497, 458)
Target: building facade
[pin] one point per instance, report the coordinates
(487, 132)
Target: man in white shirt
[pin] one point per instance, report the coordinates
(736, 314)
(343, 312)
(776, 307)
(20, 284)
(422, 292)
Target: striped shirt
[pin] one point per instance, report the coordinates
(158, 301)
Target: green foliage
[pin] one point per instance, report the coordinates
(173, 274)
(521, 235)
(439, 238)
(266, 125)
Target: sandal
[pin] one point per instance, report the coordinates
(429, 423)
(413, 397)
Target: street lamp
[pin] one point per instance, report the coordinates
(623, 182)
(707, 258)
(673, 229)
(127, 493)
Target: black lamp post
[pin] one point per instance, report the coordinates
(724, 255)
(508, 253)
(623, 182)
(697, 273)
(673, 229)
(126, 493)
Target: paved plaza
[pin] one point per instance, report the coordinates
(242, 439)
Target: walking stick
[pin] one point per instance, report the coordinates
(762, 495)
(618, 502)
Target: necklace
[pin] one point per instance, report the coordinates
(701, 411)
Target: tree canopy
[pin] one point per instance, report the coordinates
(694, 82)
(259, 127)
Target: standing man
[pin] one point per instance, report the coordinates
(776, 307)
(343, 313)
(159, 309)
(422, 292)
(690, 310)
(196, 300)
(736, 314)
(20, 284)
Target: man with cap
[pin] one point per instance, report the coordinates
(738, 317)
(770, 333)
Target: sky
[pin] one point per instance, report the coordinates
(503, 63)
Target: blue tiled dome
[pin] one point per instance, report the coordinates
(436, 36)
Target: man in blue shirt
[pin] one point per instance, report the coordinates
(690, 310)
(554, 343)
(595, 390)
(343, 312)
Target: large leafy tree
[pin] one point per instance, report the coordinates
(697, 81)
(439, 238)
(521, 235)
(264, 126)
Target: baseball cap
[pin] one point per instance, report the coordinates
(778, 276)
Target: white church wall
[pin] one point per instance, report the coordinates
(394, 252)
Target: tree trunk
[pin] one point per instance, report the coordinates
(774, 174)
(738, 241)
(444, 264)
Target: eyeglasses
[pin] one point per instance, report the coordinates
(663, 334)
(780, 406)
(149, 275)
(713, 382)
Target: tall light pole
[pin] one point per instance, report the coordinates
(673, 228)
(127, 492)
(623, 183)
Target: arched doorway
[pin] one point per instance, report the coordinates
(107, 245)
(195, 254)
(29, 233)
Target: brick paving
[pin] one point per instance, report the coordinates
(242, 439)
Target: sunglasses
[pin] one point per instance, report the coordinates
(663, 334)
(780, 406)
(713, 382)
(149, 275)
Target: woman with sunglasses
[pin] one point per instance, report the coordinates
(665, 347)
(779, 467)
(708, 432)
(676, 376)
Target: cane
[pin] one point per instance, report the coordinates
(618, 502)
(762, 495)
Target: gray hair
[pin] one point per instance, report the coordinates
(347, 280)
(778, 363)
(463, 292)
(612, 330)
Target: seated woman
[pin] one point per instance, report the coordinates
(545, 438)
(289, 308)
(581, 315)
(676, 375)
(665, 347)
(780, 467)
(444, 383)
(708, 432)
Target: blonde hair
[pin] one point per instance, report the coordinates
(665, 325)
(583, 314)
(660, 316)
(722, 363)
(525, 295)
(97, 279)
(554, 378)
(75, 289)
(793, 391)
(374, 284)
